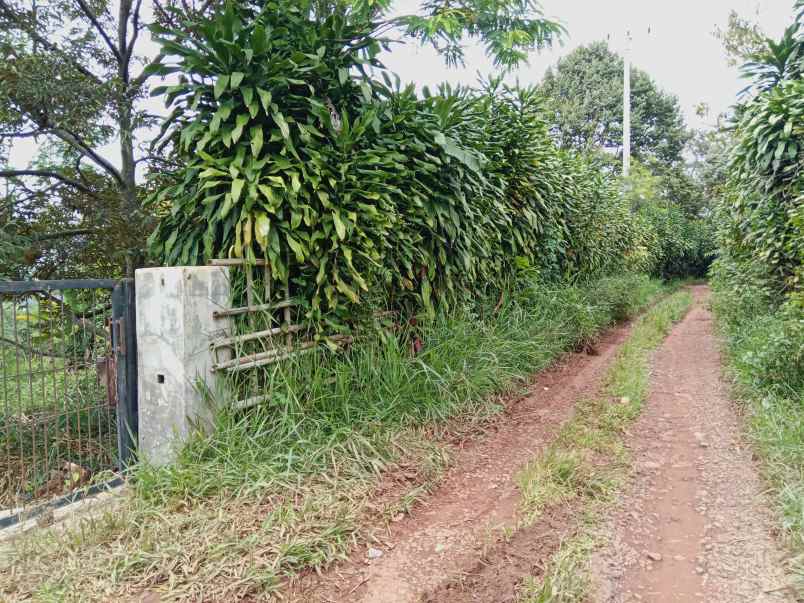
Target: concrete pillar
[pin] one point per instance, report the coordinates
(174, 330)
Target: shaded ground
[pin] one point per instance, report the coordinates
(694, 525)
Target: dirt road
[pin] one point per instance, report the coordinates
(692, 524)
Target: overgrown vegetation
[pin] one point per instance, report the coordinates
(759, 276)
(588, 461)
(283, 487)
(300, 148)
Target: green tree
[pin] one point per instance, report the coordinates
(585, 94)
(741, 38)
(71, 80)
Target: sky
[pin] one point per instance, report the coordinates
(680, 52)
(671, 40)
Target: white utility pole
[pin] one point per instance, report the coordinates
(627, 106)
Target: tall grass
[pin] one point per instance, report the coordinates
(764, 346)
(322, 407)
(287, 485)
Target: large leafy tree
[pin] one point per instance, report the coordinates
(586, 101)
(70, 79)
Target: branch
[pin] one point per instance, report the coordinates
(96, 24)
(135, 23)
(64, 234)
(47, 174)
(7, 12)
(29, 134)
(83, 147)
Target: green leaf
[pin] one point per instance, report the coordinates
(248, 97)
(237, 188)
(283, 125)
(220, 85)
(236, 78)
(296, 247)
(340, 227)
(262, 226)
(346, 290)
(227, 205)
(265, 99)
(240, 123)
(256, 140)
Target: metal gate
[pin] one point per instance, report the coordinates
(68, 390)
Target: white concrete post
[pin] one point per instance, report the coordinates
(174, 330)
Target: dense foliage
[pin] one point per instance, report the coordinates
(356, 189)
(758, 277)
(762, 214)
(676, 240)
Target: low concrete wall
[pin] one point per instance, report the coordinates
(174, 330)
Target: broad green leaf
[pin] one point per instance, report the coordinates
(256, 140)
(340, 227)
(283, 125)
(297, 248)
(220, 85)
(240, 123)
(265, 99)
(236, 78)
(237, 188)
(262, 226)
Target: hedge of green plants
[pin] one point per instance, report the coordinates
(758, 277)
(299, 147)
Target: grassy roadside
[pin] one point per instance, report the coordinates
(764, 355)
(286, 487)
(588, 463)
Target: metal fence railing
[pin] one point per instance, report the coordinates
(59, 390)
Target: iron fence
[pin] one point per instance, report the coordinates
(62, 359)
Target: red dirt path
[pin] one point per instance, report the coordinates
(449, 534)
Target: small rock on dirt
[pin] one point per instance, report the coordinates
(374, 553)
(654, 556)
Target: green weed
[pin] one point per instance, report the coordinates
(765, 355)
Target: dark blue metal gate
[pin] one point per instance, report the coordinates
(68, 390)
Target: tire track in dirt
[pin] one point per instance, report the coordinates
(694, 525)
(446, 536)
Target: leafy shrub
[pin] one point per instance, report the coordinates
(326, 405)
(354, 188)
(763, 219)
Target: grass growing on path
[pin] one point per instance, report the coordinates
(588, 462)
(288, 486)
